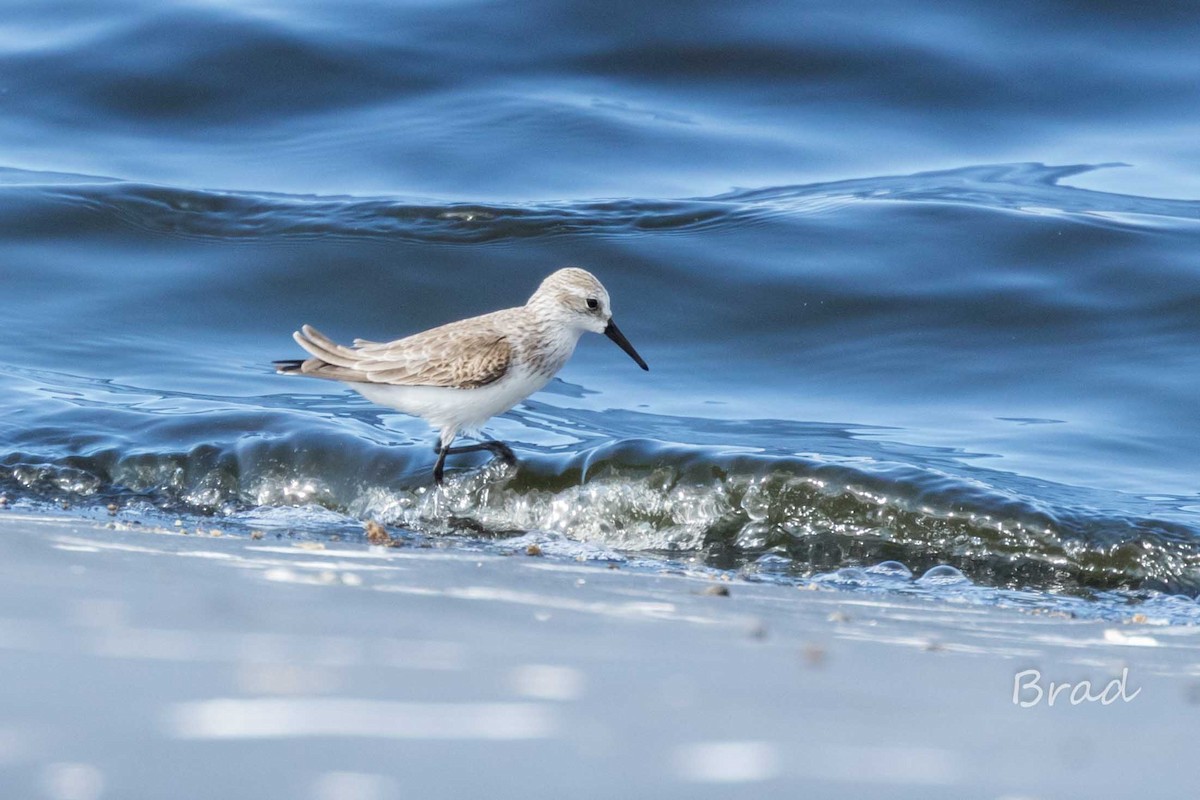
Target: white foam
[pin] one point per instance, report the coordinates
(291, 718)
(727, 762)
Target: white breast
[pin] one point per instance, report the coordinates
(456, 410)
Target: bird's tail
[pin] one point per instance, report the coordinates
(330, 360)
(289, 366)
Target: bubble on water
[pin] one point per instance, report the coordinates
(890, 569)
(846, 578)
(943, 575)
(772, 563)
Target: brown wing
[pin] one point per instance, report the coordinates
(464, 355)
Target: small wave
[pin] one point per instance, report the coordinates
(639, 496)
(231, 215)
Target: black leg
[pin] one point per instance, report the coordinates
(440, 465)
(501, 450)
(498, 449)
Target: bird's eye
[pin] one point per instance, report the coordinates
(593, 303)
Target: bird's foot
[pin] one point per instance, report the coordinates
(498, 449)
(502, 451)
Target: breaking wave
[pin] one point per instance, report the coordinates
(729, 508)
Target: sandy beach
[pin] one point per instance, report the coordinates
(157, 663)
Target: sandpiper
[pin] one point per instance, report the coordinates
(458, 376)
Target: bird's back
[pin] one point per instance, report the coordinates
(465, 354)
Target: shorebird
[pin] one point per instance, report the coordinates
(458, 376)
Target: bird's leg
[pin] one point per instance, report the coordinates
(498, 449)
(501, 450)
(442, 450)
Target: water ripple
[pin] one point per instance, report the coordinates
(1022, 188)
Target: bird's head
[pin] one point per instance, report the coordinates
(574, 298)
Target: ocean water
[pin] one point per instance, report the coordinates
(917, 282)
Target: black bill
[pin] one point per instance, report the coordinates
(614, 333)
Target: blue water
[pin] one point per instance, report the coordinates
(917, 281)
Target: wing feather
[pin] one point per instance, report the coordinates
(465, 354)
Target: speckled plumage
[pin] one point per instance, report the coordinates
(463, 355)
(459, 375)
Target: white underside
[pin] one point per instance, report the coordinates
(454, 411)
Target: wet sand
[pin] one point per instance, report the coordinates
(155, 664)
